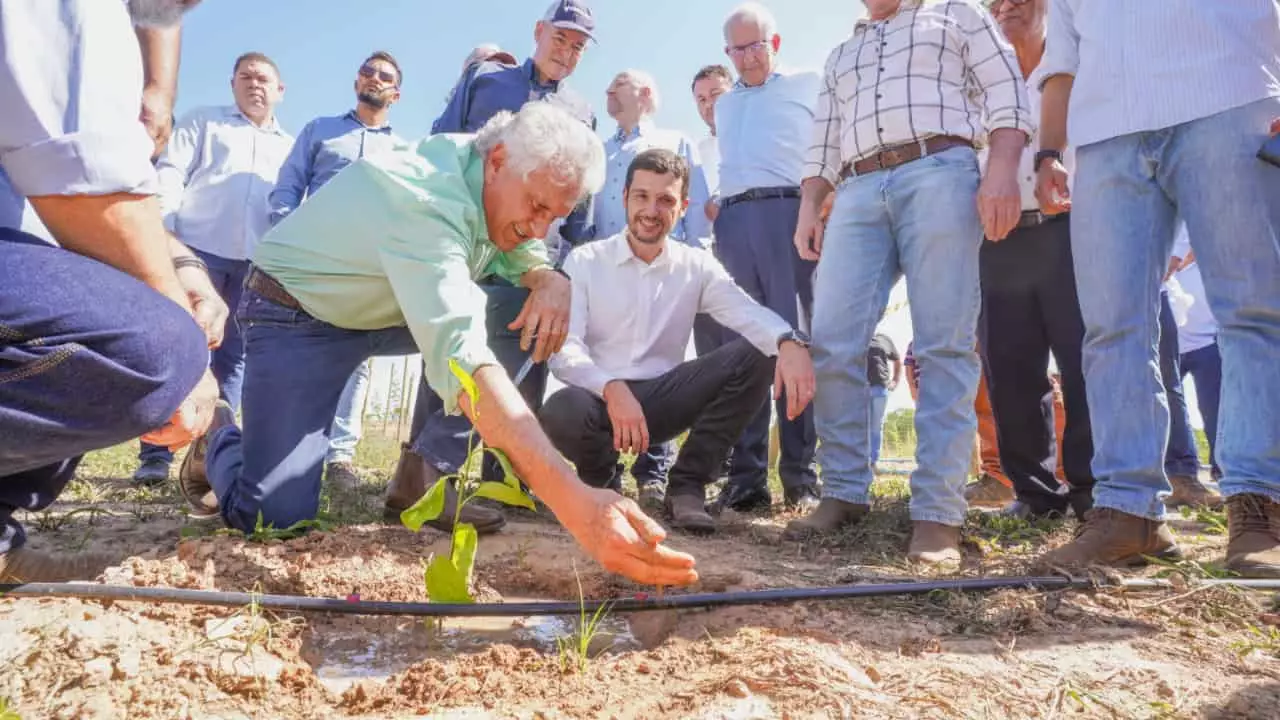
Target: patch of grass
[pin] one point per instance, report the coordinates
(574, 648)
(1264, 640)
(268, 533)
(1215, 521)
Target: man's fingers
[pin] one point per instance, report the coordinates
(650, 532)
(644, 437)
(777, 380)
(647, 573)
(519, 321)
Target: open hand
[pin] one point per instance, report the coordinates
(192, 418)
(545, 315)
(614, 531)
(794, 372)
(810, 228)
(630, 430)
(999, 203)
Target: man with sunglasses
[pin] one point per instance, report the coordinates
(761, 124)
(324, 147)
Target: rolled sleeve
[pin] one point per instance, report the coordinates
(573, 364)
(994, 67)
(823, 158)
(443, 308)
(71, 89)
(1062, 43)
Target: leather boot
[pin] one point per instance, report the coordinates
(688, 512)
(1253, 547)
(30, 566)
(1111, 537)
(934, 543)
(193, 477)
(413, 477)
(1190, 491)
(831, 515)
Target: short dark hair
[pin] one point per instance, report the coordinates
(662, 162)
(254, 57)
(719, 71)
(386, 57)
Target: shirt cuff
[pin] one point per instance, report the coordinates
(92, 162)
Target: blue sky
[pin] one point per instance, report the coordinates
(320, 43)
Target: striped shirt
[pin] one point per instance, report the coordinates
(937, 67)
(1157, 64)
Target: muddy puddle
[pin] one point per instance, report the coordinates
(345, 650)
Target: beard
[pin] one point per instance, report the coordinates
(373, 100)
(158, 13)
(647, 236)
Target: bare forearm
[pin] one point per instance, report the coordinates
(813, 191)
(1054, 102)
(161, 49)
(123, 231)
(1005, 151)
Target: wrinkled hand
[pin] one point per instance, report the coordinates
(545, 315)
(192, 418)
(614, 531)
(999, 203)
(810, 229)
(794, 372)
(630, 430)
(1051, 188)
(207, 307)
(157, 117)
(712, 209)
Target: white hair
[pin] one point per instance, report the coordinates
(642, 79)
(543, 136)
(752, 12)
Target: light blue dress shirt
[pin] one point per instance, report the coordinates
(70, 89)
(215, 177)
(764, 132)
(620, 150)
(323, 148)
(1159, 63)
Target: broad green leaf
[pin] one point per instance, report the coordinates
(505, 494)
(444, 583)
(508, 473)
(468, 385)
(427, 508)
(465, 540)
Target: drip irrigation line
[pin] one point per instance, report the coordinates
(639, 603)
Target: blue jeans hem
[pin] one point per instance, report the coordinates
(1154, 510)
(832, 488)
(942, 518)
(1244, 487)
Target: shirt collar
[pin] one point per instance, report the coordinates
(644, 127)
(354, 117)
(623, 253)
(864, 23)
(234, 111)
(531, 72)
(772, 76)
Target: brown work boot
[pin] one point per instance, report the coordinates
(934, 543)
(1110, 537)
(1253, 549)
(831, 515)
(193, 477)
(343, 475)
(31, 566)
(413, 477)
(688, 512)
(988, 492)
(1191, 492)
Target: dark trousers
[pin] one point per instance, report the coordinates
(227, 361)
(89, 358)
(442, 439)
(1029, 310)
(713, 397)
(754, 241)
(1205, 367)
(1180, 457)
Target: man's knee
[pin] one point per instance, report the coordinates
(166, 352)
(564, 416)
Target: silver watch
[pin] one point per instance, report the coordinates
(796, 337)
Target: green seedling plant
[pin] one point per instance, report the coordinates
(448, 577)
(574, 648)
(6, 712)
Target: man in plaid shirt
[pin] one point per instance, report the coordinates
(906, 101)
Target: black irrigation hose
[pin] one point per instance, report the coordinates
(298, 603)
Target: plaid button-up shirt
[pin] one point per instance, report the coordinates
(937, 67)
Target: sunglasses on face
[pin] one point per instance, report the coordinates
(383, 75)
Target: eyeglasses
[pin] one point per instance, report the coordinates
(740, 50)
(993, 4)
(370, 71)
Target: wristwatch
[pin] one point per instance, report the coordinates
(1046, 155)
(796, 337)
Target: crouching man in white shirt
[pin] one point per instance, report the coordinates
(635, 296)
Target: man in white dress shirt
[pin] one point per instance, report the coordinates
(635, 296)
(215, 175)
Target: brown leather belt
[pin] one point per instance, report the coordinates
(1035, 218)
(269, 288)
(901, 154)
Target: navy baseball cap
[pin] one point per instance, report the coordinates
(571, 15)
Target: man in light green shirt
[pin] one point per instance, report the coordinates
(383, 261)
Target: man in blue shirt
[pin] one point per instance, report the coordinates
(324, 147)
(97, 340)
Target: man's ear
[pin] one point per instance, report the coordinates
(775, 42)
(497, 158)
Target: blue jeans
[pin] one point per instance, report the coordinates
(1205, 367)
(89, 358)
(919, 219)
(879, 401)
(348, 421)
(1180, 456)
(227, 361)
(1128, 192)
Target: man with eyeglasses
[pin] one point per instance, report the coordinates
(325, 146)
(897, 127)
(1169, 111)
(439, 445)
(761, 125)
